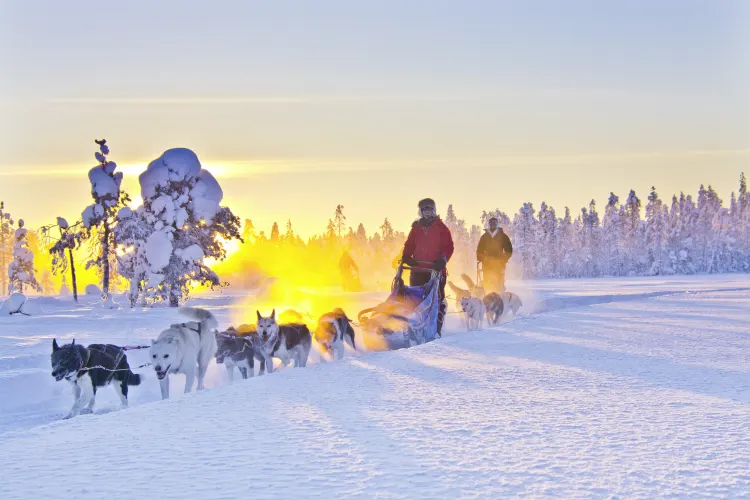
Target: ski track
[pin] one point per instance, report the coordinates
(621, 387)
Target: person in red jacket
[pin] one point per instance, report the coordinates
(429, 240)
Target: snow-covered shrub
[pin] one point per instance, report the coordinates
(93, 290)
(21, 269)
(99, 218)
(179, 225)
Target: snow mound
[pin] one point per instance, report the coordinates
(17, 303)
(31, 308)
(93, 290)
(13, 304)
(109, 303)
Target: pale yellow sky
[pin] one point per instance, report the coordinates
(298, 106)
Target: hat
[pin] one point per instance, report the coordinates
(493, 218)
(427, 202)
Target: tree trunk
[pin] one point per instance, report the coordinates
(73, 275)
(105, 262)
(174, 300)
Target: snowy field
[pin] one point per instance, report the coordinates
(636, 388)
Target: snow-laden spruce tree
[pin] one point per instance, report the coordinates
(181, 202)
(655, 228)
(21, 272)
(524, 229)
(100, 218)
(613, 257)
(6, 245)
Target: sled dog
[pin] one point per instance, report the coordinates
(287, 342)
(459, 293)
(333, 329)
(511, 302)
(494, 306)
(89, 368)
(474, 312)
(183, 347)
(291, 316)
(474, 289)
(234, 348)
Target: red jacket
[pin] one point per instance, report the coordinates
(429, 243)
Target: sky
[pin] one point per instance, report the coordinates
(297, 106)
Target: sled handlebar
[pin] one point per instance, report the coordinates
(421, 266)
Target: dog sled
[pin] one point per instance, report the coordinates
(408, 317)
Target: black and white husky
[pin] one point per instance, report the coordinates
(183, 347)
(286, 342)
(234, 348)
(89, 368)
(333, 329)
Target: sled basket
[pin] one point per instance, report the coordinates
(408, 316)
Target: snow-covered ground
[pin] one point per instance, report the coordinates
(617, 387)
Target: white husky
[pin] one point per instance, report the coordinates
(183, 347)
(512, 303)
(474, 312)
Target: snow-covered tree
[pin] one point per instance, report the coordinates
(6, 244)
(289, 233)
(21, 272)
(361, 234)
(331, 231)
(524, 230)
(62, 249)
(99, 218)
(547, 240)
(386, 230)
(655, 228)
(339, 220)
(181, 201)
(275, 232)
(133, 229)
(248, 231)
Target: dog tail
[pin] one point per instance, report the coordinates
(469, 282)
(458, 291)
(205, 317)
(133, 378)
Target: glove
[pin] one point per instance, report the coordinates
(409, 261)
(439, 264)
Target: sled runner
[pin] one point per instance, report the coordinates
(408, 317)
